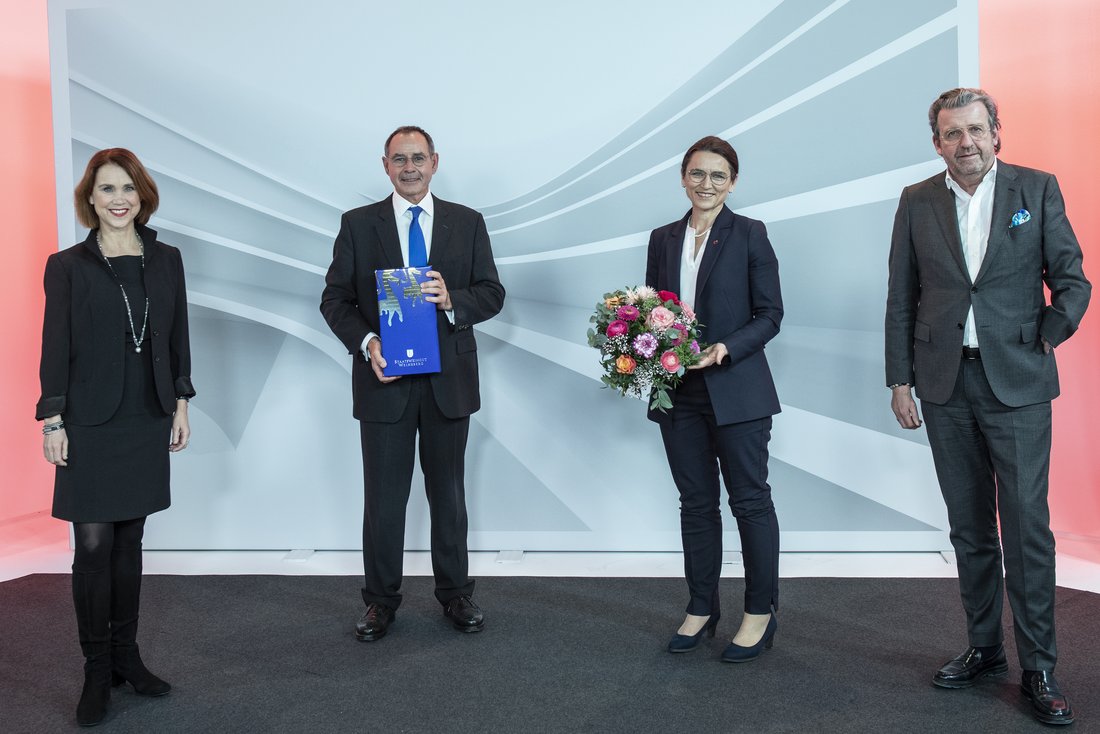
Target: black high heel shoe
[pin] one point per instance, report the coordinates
(687, 643)
(740, 654)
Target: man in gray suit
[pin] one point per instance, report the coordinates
(968, 325)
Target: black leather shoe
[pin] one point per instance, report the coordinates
(374, 623)
(1047, 702)
(970, 667)
(464, 614)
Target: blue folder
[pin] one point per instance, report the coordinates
(410, 336)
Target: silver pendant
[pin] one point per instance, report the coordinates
(137, 350)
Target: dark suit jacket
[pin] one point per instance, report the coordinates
(83, 332)
(931, 291)
(461, 253)
(737, 301)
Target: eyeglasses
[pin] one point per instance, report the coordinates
(718, 178)
(955, 134)
(418, 160)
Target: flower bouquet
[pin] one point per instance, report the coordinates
(646, 338)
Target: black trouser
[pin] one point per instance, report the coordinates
(388, 454)
(697, 449)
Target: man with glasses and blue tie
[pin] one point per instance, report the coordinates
(969, 326)
(413, 228)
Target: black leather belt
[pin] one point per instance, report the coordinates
(971, 353)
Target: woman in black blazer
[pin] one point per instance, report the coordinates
(116, 378)
(723, 266)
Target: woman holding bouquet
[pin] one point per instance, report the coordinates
(724, 267)
(116, 378)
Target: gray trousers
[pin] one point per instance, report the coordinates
(992, 461)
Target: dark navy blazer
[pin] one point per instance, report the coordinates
(737, 301)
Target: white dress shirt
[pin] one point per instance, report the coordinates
(975, 215)
(689, 265)
(404, 220)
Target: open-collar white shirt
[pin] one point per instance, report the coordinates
(975, 216)
(689, 264)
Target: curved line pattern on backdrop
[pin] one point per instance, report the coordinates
(818, 98)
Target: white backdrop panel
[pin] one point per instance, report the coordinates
(564, 124)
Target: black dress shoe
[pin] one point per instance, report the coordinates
(464, 614)
(1047, 702)
(970, 667)
(374, 623)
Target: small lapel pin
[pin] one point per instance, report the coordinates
(1019, 218)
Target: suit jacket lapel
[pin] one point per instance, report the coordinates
(719, 231)
(441, 234)
(1006, 201)
(943, 204)
(386, 227)
(674, 254)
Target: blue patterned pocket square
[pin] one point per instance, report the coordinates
(1019, 218)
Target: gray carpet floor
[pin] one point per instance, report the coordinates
(276, 654)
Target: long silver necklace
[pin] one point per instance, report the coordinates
(126, 299)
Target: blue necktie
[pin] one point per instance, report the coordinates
(418, 252)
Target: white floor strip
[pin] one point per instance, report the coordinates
(40, 544)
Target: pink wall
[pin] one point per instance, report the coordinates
(1049, 104)
(1045, 82)
(27, 190)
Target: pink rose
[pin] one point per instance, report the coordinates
(686, 312)
(661, 318)
(628, 313)
(618, 327)
(670, 361)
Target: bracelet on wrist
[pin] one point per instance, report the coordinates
(897, 384)
(49, 428)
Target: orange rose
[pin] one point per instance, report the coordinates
(625, 365)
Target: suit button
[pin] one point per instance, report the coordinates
(156, 359)
(959, 325)
(974, 290)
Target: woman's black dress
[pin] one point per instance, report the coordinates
(119, 470)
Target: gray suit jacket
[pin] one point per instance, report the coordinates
(931, 291)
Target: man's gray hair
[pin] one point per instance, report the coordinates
(953, 99)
